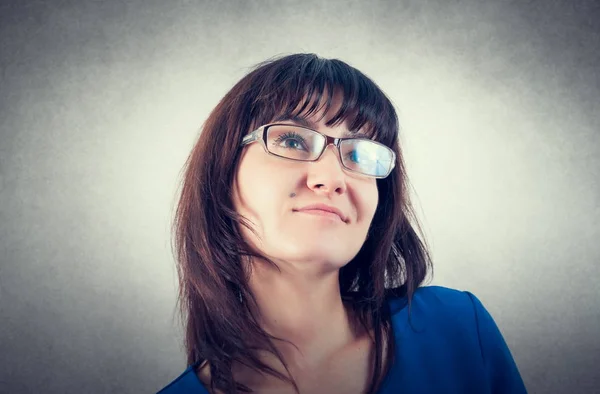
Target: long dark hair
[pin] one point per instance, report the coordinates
(212, 257)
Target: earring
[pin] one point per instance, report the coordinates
(293, 195)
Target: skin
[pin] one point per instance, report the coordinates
(302, 303)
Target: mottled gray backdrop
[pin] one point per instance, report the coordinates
(101, 101)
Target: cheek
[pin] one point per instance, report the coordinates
(260, 190)
(369, 199)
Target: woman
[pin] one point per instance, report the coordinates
(300, 268)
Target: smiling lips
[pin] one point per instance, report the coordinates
(323, 210)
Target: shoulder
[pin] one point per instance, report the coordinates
(438, 299)
(438, 310)
(455, 326)
(185, 383)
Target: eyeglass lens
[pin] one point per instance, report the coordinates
(298, 143)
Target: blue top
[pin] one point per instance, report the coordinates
(455, 347)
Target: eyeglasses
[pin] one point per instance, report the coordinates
(360, 155)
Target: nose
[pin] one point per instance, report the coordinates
(326, 175)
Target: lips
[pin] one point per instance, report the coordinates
(315, 208)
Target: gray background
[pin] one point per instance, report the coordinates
(101, 101)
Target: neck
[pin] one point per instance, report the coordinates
(306, 310)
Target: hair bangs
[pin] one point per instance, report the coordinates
(304, 85)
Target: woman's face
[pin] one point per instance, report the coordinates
(261, 193)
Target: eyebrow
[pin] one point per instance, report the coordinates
(311, 125)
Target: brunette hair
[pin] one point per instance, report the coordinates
(213, 258)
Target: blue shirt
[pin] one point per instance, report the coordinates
(453, 346)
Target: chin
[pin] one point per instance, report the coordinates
(337, 256)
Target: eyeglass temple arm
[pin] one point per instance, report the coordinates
(253, 136)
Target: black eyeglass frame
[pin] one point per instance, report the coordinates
(260, 135)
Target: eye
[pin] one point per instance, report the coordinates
(291, 140)
(353, 155)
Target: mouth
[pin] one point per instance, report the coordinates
(320, 213)
(323, 210)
